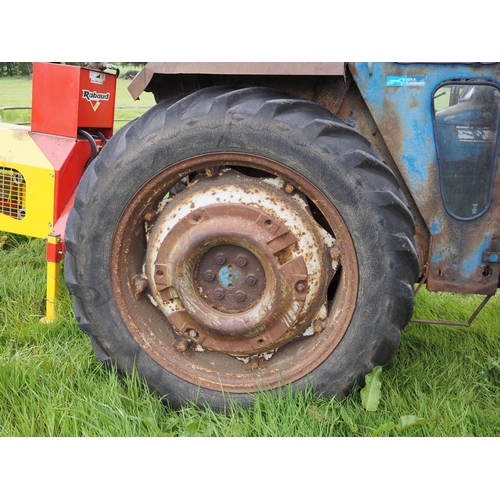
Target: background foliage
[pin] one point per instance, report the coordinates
(11, 69)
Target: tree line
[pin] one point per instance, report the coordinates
(15, 68)
(25, 68)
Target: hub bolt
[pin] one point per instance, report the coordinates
(220, 258)
(251, 279)
(241, 260)
(219, 294)
(209, 275)
(240, 296)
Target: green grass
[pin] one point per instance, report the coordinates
(51, 384)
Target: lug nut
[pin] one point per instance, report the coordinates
(240, 296)
(219, 294)
(193, 334)
(251, 279)
(289, 188)
(241, 260)
(209, 275)
(300, 286)
(220, 258)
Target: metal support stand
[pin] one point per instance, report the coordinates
(55, 254)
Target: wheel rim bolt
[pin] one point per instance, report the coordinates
(219, 294)
(193, 334)
(182, 345)
(289, 188)
(196, 216)
(240, 296)
(211, 171)
(335, 253)
(140, 285)
(300, 286)
(319, 326)
(254, 360)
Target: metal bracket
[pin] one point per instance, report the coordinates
(455, 323)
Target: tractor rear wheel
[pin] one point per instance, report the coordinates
(237, 240)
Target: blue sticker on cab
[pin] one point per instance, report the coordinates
(405, 81)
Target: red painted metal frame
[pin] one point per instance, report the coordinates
(69, 158)
(61, 104)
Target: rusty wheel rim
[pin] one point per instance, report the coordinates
(191, 273)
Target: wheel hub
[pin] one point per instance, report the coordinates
(226, 261)
(230, 278)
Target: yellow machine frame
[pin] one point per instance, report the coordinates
(27, 187)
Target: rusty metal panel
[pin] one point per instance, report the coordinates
(141, 81)
(403, 114)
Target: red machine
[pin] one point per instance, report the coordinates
(40, 168)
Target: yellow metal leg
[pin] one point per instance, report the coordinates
(53, 277)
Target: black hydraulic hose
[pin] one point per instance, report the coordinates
(114, 68)
(101, 136)
(93, 145)
(103, 65)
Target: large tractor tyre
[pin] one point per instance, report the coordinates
(234, 241)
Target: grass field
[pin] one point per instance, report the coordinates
(444, 381)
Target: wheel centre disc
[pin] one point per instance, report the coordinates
(230, 278)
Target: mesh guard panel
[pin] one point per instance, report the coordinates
(12, 193)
